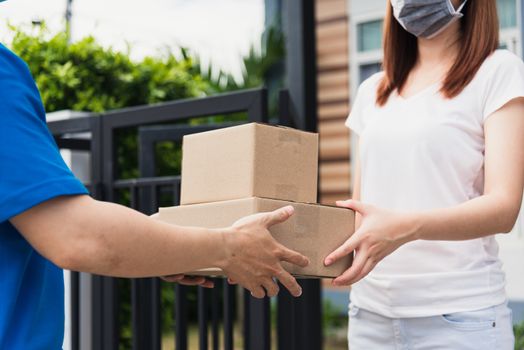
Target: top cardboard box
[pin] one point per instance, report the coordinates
(250, 160)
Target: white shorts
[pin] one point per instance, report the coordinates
(488, 329)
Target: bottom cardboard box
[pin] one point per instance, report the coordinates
(314, 230)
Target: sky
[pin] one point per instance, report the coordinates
(220, 31)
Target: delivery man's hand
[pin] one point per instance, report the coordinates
(189, 280)
(79, 233)
(254, 257)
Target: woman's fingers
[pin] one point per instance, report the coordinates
(355, 205)
(231, 281)
(367, 269)
(345, 249)
(358, 265)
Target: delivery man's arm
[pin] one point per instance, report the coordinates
(82, 234)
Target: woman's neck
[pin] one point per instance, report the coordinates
(442, 49)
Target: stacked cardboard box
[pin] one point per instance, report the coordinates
(233, 172)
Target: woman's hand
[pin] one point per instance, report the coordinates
(254, 257)
(380, 233)
(189, 280)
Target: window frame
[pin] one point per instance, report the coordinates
(358, 31)
(358, 59)
(517, 15)
(512, 36)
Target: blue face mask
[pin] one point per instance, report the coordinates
(425, 18)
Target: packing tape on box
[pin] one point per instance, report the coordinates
(287, 136)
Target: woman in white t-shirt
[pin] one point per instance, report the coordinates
(440, 171)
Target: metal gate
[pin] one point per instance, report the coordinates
(95, 299)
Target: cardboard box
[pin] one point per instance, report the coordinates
(250, 160)
(314, 230)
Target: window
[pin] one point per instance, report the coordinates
(507, 10)
(369, 35)
(367, 70)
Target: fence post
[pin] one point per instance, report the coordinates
(301, 82)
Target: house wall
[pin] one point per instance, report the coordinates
(333, 98)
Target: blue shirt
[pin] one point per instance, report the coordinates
(31, 172)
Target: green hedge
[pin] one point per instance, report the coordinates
(86, 76)
(519, 336)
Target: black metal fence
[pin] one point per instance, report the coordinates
(97, 326)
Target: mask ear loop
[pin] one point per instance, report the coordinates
(457, 11)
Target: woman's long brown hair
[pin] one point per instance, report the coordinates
(479, 38)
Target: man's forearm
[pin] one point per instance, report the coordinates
(110, 239)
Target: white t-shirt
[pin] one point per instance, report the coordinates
(426, 152)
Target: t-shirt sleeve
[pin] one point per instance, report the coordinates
(506, 83)
(365, 97)
(31, 167)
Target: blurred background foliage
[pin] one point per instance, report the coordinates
(519, 336)
(85, 76)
